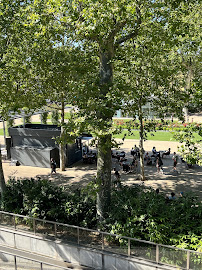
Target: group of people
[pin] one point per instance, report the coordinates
(120, 163)
(156, 159)
(121, 160)
(89, 157)
(171, 196)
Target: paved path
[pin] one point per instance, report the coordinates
(81, 174)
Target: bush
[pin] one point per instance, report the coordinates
(80, 208)
(135, 211)
(154, 124)
(35, 198)
(141, 213)
(41, 199)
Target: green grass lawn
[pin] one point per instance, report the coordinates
(155, 136)
(2, 133)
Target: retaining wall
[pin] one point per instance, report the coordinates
(59, 250)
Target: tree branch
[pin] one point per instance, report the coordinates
(133, 33)
(129, 36)
(117, 27)
(7, 44)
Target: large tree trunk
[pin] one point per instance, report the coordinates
(142, 174)
(104, 176)
(62, 143)
(104, 142)
(2, 179)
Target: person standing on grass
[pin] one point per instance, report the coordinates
(53, 166)
(175, 160)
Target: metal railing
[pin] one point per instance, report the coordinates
(159, 253)
(19, 262)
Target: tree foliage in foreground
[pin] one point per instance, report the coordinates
(191, 149)
(135, 211)
(104, 29)
(140, 212)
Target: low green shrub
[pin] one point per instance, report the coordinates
(141, 213)
(135, 211)
(156, 124)
(41, 199)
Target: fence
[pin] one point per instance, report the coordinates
(168, 255)
(20, 262)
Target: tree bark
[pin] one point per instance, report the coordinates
(2, 179)
(104, 176)
(187, 87)
(142, 174)
(62, 143)
(104, 141)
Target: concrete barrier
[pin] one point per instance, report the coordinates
(76, 254)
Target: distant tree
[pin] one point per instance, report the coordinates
(44, 117)
(151, 73)
(55, 117)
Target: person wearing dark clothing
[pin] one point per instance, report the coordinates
(117, 175)
(159, 164)
(126, 167)
(166, 153)
(175, 160)
(172, 196)
(53, 166)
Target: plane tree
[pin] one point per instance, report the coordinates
(8, 40)
(102, 29)
(58, 71)
(98, 29)
(159, 72)
(18, 85)
(152, 76)
(105, 27)
(190, 52)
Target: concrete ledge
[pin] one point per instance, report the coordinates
(30, 258)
